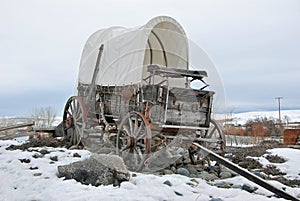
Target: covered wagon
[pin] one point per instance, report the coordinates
(135, 84)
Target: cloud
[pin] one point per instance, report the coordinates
(255, 44)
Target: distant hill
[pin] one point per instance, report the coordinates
(290, 115)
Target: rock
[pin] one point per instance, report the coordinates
(76, 155)
(248, 188)
(44, 151)
(225, 175)
(162, 158)
(99, 169)
(33, 168)
(222, 184)
(168, 183)
(183, 171)
(206, 176)
(213, 172)
(173, 169)
(215, 199)
(37, 155)
(225, 169)
(37, 174)
(259, 174)
(195, 181)
(200, 169)
(236, 186)
(190, 184)
(205, 166)
(186, 160)
(54, 158)
(214, 168)
(168, 172)
(177, 193)
(191, 168)
(179, 162)
(105, 150)
(24, 160)
(180, 151)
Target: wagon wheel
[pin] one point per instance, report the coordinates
(133, 141)
(213, 139)
(74, 118)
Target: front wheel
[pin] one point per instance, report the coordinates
(133, 142)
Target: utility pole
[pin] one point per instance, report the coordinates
(279, 114)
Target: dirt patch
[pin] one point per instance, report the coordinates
(40, 143)
(255, 151)
(272, 144)
(240, 156)
(243, 161)
(275, 159)
(272, 170)
(294, 183)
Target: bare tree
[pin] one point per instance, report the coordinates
(44, 116)
(229, 116)
(5, 121)
(266, 126)
(287, 119)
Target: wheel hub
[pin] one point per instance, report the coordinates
(69, 122)
(131, 142)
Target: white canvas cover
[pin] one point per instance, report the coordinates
(127, 52)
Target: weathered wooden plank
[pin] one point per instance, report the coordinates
(16, 126)
(245, 173)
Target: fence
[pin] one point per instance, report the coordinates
(234, 140)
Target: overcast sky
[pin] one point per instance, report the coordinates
(254, 44)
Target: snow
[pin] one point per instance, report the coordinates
(19, 183)
(241, 118)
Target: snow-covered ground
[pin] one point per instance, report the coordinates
(19, 182)
(241, 118)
